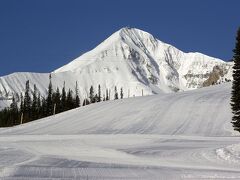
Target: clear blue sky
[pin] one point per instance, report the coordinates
(42, 35)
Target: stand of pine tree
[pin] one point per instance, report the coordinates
(33, 106)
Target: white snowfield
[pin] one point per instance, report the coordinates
(185, 135)
(131, 59)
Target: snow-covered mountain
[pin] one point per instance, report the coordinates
(131, 59)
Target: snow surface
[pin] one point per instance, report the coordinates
(4, 103)
(185, 135)
(131, 59)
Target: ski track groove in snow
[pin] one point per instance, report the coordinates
(185, 135)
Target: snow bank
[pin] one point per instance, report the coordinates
(231, 153)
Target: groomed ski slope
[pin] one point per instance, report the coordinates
(203, 112)
(166, 136)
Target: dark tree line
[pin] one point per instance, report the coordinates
(32, 106)
(235, 99)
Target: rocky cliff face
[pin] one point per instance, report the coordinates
(217, 76)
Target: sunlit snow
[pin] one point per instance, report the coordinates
(185, 135)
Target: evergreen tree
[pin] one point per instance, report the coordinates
(235, 99)
(91, 95)
(63, 99)
(49, 97)
(4, 117)
(121, 93)
(13, 112)
(27, 104)
(96, 98)
(57, 100)
(34, 104)
(70, 102)
(86, 102)
(116, 93)
(44, 110)
(107, 97)
(21, 103)
(99, 99)
(39, 106)
(21, 108)
(77, 99)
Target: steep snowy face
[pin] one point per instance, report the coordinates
(130, 59)
(128, 56)
(151, 62)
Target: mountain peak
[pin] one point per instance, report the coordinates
(124, 34)
(134, 60)
(118, 46)
(128, 34)
(134, 33)
(129, 29)
(151, 62)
